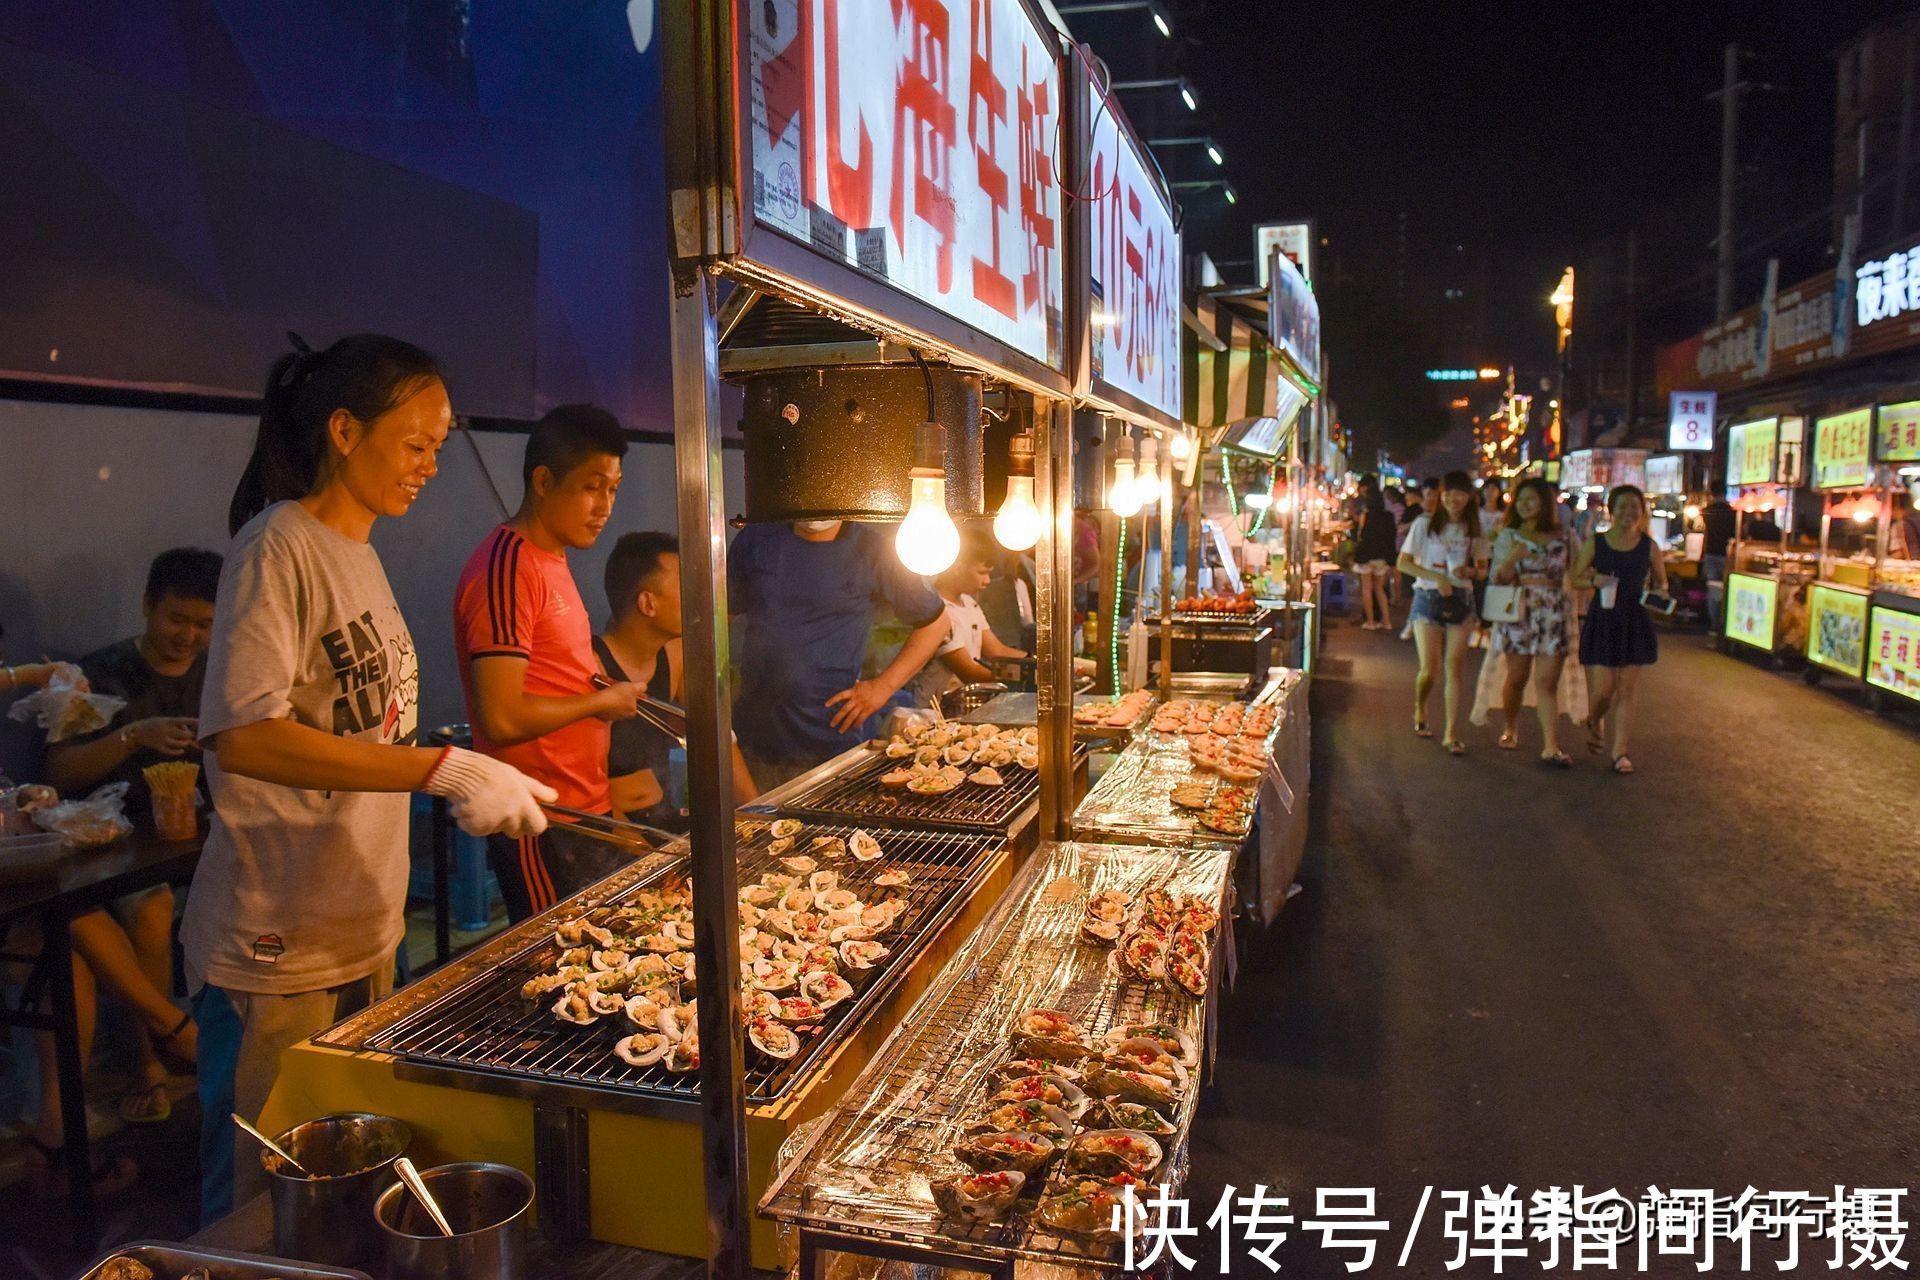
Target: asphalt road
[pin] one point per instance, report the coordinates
(1701, 976)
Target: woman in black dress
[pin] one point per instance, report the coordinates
(1376, 544)
(1616, 637)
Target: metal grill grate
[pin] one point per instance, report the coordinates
(487, 1025)
(858, 794)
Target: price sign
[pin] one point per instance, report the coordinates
(1751, 609)
(1897, 438)
(1751, 447)
(1893, 652)
(1840, 450)
(1837, 629)
(1690, 419)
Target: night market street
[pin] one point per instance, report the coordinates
(1701, 976)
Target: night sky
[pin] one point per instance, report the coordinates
(1512, 136)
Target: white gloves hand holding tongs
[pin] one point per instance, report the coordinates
(488, 796)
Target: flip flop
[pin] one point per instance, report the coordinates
(1622, 765)
(1510, 740)
(146, 1104)
(1557, 760)
(1420, 729)
(1455, 747)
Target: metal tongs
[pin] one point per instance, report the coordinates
(599, 826)
(664, 716)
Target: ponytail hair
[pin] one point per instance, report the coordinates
(366, 374)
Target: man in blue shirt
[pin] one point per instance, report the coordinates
(808, 593)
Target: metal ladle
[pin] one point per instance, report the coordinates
(271, 1145)
(417, 1185)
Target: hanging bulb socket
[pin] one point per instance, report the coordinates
(1017, 524)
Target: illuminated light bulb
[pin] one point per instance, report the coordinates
(1017, 524)
(1283, 503)
(1123, 495)
(1864, 510)
(1258, 501)
(1693, 511)
(1213, 154)
(1146, 484)
(1181, 447)
(1186, 96)
(927, 541)
(1160, 21)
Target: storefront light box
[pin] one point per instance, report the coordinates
(1752, 607)
(1837, 629)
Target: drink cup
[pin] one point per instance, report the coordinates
(1609, 591)
(175, 815)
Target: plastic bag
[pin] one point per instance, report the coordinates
(87, 824)
(17, 806)
(67, 707)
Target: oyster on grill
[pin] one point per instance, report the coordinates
(1025, 1117)
(1170, 1038)
(863, 846)
(1134, 1086)
(1084, 1206)
(1048, 1033)
(826, 987)
(786, 827)
(992, 1151)
(861, 955)
(642, 1049)
(573, 1006)
(1107, 1152)
(773, 1038)
(978, 1197)
(1053, 1090)
(1111, 1113)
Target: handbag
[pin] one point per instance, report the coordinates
(1503, 603)
(1452, 610)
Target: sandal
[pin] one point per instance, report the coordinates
(47, 1171)
(146, 1103)
(1420, 729)
(1622, 764)
(1510, 740)
(1556, 760)
(1596, 740)
(1455, 747)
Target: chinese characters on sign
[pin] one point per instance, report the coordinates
(1887, 287)
(1893, 652)
(1295, 239)
(1690, 419)
(1750, 451)
(1136, 269)
(1293, 315)
(1751, 608)
(915, 140)
(1666, 474)
(1501, 1231)
(1898, 436)
(1840, 449)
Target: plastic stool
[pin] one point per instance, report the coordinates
(1333, 592)
(471, 887)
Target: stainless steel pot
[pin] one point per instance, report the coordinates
(328, 1217)
(485, 1204)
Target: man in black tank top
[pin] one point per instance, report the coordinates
(642, 644)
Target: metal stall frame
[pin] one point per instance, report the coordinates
(714, 234)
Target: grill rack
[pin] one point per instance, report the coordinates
(860, 1172)
(485, 1025)
(856, 794)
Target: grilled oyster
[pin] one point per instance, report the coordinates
(775, 975)
(758, 895)
(1134, 1086)
(755, 1003)
(571, 933)
(799, 864)
(986, 777)
(861, 955)
(1101, 933)
(779, 846)
(896, 778)
(1084, 1206)
(676, 1022)
(1170, 1038)
(1111, 1113)
(643, 1012)
(574, 1006)
(642, 1049)
(1027, 758)
(851, 933)
(1051, 1089)
(1048, 1033)
(1107, 1152)
(823, 882)
(826, 988)
(786, 827)
(1188, 975)
(800, 1010)
(863, 846)
(1143, 956)
(1025, 1117)
(1110, 905)
(1143, 1053)
(1020, 1068)
(541, 984)
(893, 878)
(836, 900)
(773, 1038)
(899, 749)
(978, 1197)
(1016, 1150)
(684, 1056)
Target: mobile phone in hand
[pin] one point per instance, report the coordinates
(1657, 601)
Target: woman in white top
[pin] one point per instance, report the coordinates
(1444, 554)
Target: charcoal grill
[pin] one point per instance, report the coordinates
(856, 794)
(484, 1025)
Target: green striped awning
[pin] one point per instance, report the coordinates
(1229, 372)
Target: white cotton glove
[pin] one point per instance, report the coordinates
(489, 797)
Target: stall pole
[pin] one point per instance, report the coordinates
(716, 936)
(1166, 584)
(1053, 616)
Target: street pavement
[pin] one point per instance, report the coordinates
(1700, 976)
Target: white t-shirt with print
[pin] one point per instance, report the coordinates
(966, 633)
(1450, 552)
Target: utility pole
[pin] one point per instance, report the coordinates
(1731, 87)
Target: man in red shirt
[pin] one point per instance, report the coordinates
(526, 653)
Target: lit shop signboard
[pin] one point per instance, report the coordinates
(1751, 447)
(916, 141)
(1887, 288)
(1893, 652)
(1136, 268)
(1897, 434)
(1293, 315)
(1752, 606)
(1690, 419)
(1837, 629)
(1841, 446)
(1665, 474)
(1295, 239)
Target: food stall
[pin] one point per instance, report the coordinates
(1675, 531)
(1761, 574)
(1893, 608)
(1851, 533)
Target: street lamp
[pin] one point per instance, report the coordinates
(1207, 184)
(1185, 86)
(1213, 148)
(1154, 8)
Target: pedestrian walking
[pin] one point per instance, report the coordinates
(1445, 554)
(1422, 502)
(1531, 553)
(1493, 510)
(1616, 637)
(1373, 556)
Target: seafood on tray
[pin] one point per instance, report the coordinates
(806, 937)
(1107, 1152)
(961, 745)
(1085, 1205)
(997, 1150)
(1162, 938)
(1053, 1090)
(1024, 1117)
(978, 1197)
(1173, 1040)
(1048, 1033)
(1122, 713)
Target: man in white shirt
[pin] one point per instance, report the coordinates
(970, 642)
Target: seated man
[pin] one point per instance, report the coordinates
(159, 674)
(970, 643)
(642, 645)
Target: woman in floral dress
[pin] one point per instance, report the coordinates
(1532, 552)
